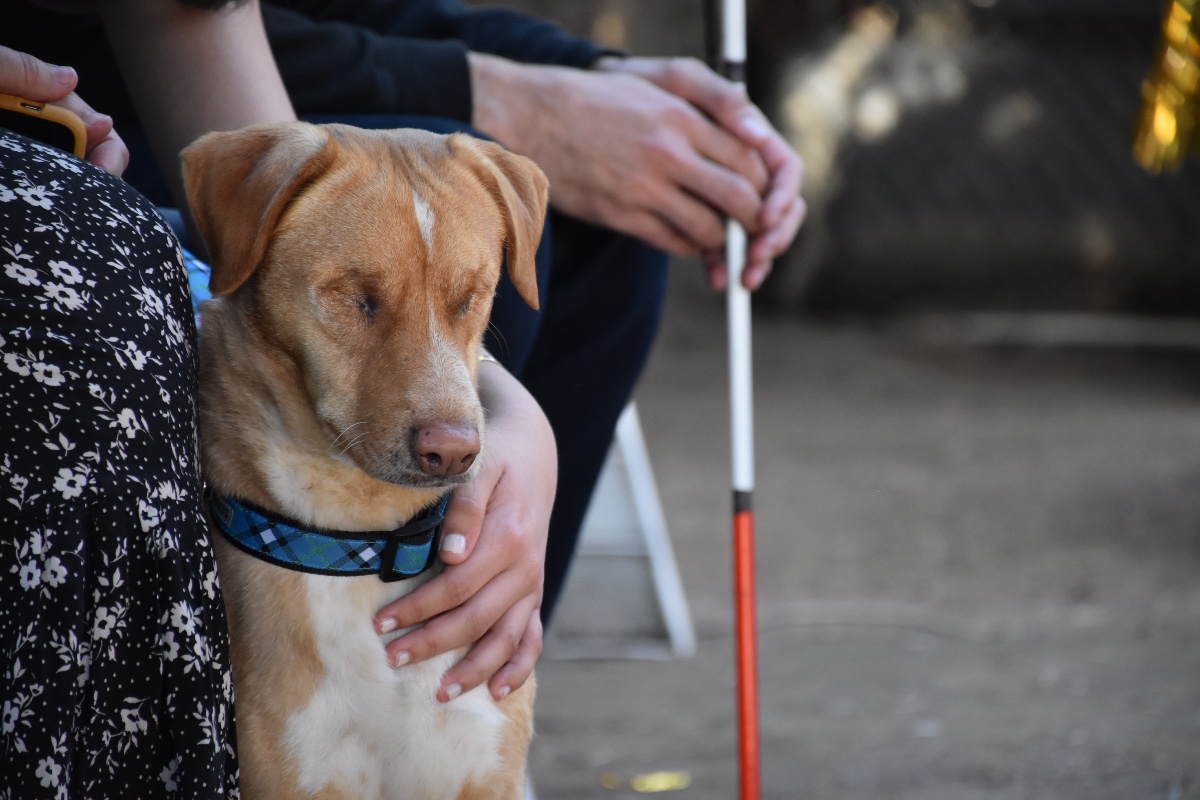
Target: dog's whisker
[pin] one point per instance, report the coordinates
(343, 432)
(499, 337)
(353, 442)
(349, 444)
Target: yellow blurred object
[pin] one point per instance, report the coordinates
(661, 782)
(1169, 127)
(649, 783)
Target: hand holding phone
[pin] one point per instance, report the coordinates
(44, 122)
(30, 81)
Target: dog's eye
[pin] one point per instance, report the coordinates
(466, 306)
(368, 304)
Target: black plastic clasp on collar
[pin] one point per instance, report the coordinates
(418, 538)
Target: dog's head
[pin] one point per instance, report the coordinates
(366, 262)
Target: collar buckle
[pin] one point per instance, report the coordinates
(411, 549)
(397, 564)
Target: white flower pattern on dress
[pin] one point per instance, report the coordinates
(48, 771)
(66, 273)
(71, 483)
(26, 276)
(112, 631)
(38, 196)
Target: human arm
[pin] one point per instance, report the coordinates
(490, 592)
(25, 76)
(191, 71)
(401, 57)
(500, 31)
(376, 73)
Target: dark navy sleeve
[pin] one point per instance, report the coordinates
(332, 67)
(403, 56)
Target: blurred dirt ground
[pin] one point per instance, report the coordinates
(979, 573)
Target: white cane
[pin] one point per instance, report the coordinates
(732, 64)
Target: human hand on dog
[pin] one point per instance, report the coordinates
(25, 76)
(494, 546)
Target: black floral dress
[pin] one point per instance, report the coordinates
(113, 645)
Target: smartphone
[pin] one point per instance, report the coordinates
(43, 122)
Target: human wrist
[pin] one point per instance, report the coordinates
(496, 96)
(521, 106)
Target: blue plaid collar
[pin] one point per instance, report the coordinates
(394, 555)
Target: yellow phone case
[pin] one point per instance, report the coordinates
(52, 114)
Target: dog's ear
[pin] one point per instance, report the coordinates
(239, 184)
(522, 191)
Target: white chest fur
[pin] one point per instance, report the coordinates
(379, 732)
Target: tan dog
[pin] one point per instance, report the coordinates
(355, 272)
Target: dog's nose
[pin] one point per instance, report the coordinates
(446, 450)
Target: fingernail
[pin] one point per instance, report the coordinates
(387, 624)
(63, 75)
(455, 543)
(401, 658)
(754, 127)
(453, 691)
(504, 690)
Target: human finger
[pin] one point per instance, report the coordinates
(490, 653)
(695, 218)
(113, 156)
(715, 268)
(787, 176)
(110, 155)
(644, 222)
(447, 590)
(765, 248)
(720, 147)
(464, 521)
(696, 221)
(466, 622)
(723, 192)
(761, 251)
(465, 600)
(460, 531)
(23, 75)
(512, 676)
